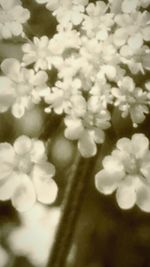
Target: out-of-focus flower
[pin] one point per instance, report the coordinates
(127, 170)
(4, 258)
(87, 125)
(12, 18)
(131, 6)
(131, 100)
(26, 175)
(20, 87)
(35, 237)
(31, 123)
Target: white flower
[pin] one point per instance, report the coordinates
(35, 237)
(65, 40)
(68, 11)
(133, 29)
(97, 22)
(40, 53)
(98, 59)
(26, 175)
(86, 125)
(131, 100)
(62, 94)
(127, 170)
(137, 60)
(12, 18)
(129, 6)
(101, 94)
(21, 87)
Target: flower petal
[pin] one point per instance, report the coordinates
(140, 145)
(22, 145)
(113, 165)
(11, 68)
(18, 110)
(143, 197)
(105, 182)
(86, 145)
(74, 128)
(135, 41)
(37, 152)
(126, 195)
(99, 136)
(45, 186)
(24, 195)
(7, 158)
(6, 153)
(124, 144)
(8, 186)
(129, 6)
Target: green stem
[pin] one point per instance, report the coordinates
(80, 174)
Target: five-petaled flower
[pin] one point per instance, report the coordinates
(21, 88)
(26, 175)
(127, 170)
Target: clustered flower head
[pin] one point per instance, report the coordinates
(88, 68)
(26, 175)
(127, 171)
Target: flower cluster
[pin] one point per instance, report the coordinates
(127, 170)
(94, 63)
(96, 51)
(26, 175)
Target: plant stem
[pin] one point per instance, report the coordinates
(80, 174)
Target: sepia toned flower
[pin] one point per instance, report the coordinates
(26, 175)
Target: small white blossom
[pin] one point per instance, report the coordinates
(65, 40)
(62, 94)
(129, 6)
(26, 175)
(101, 94)
(20, 87)
(127, 170)
(131, 100)
(66, 11)
(137, 60)
(12, 18)
(40, 53)
(106, 57)
(133, 29)
(69, 11)
(97, 22)
(87, 125)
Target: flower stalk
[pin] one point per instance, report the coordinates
(80, 174)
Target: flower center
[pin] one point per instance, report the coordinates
(24, 164)
(132, 167)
